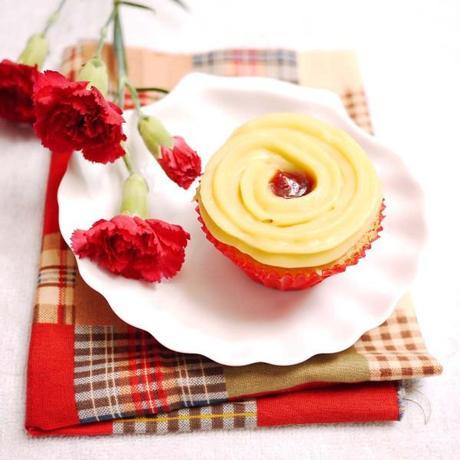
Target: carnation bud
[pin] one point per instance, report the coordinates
(95, 73)
(35, 51)
(134, 200)
(154, 135)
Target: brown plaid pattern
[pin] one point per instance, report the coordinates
(56, 281)
(123, 374)
(395, 350)
(276, 63)
(356, 104)
(226, 416)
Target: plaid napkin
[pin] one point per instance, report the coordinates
(91, 374)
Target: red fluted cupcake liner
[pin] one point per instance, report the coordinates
(290, 279)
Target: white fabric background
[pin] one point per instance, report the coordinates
(410, 57)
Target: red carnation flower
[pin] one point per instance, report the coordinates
(16, 86)
(72, 117)
(180, 163)
(135, 248)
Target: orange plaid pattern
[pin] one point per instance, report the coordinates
(56, 282)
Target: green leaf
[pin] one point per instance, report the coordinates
(152, 88)
(137, 5)
(181, 4)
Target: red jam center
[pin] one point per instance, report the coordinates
(291, 184)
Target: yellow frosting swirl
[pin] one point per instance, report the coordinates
(239, 208)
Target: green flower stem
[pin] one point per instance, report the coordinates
(152, 89)
(120, 54)
(135, 97)
(122, 66)
(128, 161)
(122, 71)
(103, 34)
(53, 18)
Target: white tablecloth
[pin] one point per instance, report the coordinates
(410, 57)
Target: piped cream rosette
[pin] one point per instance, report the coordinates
(239, 208)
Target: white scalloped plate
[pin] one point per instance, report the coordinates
(211, 307)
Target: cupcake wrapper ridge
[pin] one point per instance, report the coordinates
(290, 279)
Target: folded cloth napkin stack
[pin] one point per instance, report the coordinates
(91, 374)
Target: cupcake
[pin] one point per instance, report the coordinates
(291, 200)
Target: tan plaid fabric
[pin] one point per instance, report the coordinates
(217, 417)
(356, 104)
(56, 281)
(275, 63)
(396, 350)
